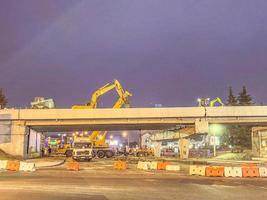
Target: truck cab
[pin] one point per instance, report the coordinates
(82, 149)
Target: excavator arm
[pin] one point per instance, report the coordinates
(124, 95)
(216, 100)
(103, 90)
(99, 92)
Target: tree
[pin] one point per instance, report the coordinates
(237, 135)
(3, 99)
(243, 98)
(231, 101)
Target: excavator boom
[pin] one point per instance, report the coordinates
(216, 100)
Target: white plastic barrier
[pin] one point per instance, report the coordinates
(173, 168)
(147, 166)
(3, 164)
(263, 171)
(27, 167)
(154, 165)
(140, 165)
(197, 170)
(232, 171)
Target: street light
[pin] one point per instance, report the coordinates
(215, 130)
(111, 136)
(126, 134)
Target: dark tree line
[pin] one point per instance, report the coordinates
(243, 98)
(238, 135)
(3, 99)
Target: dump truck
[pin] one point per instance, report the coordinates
(82, 149)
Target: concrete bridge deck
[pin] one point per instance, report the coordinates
(16, 124)
(132, 118)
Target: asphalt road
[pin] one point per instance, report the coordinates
(59, 184)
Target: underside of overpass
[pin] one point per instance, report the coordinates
(102, 127)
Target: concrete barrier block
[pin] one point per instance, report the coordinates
(198, 170)
(147, 166)
(154, 165)
(263, 171)
(233, 172)
(140, 165)
(27, 167)
(173, 168)
(3, 164)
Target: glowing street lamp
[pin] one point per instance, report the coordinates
(111, 136)
(126, 134)
(215, 130)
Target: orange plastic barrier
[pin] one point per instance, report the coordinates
(73, 166)
(162, 165)
(215, 171)
(13, 165)
(250, 172)
(249, 165)
(120, 165)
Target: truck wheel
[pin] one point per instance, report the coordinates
(94, 153)
(100, 154)
(109, 154)
(68, 153)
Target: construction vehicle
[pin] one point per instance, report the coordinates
(66, 149)
(82, 149)
(42, 103)
(103, 90)
(101, 148)
(206, 102)
(141, 152)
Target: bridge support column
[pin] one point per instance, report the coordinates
(15, 141)
(156, 148)
(201, 126)
(184, 148)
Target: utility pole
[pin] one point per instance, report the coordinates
(214, 144)
(128, 140)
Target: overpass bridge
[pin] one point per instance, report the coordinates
(15, 123)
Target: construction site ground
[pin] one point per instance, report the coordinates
(97, 180)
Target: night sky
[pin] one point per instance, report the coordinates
(168, 52)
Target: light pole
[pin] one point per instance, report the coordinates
(216, 130)
(126, 134)
(214, 144)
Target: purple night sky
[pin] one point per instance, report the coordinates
(167, 52)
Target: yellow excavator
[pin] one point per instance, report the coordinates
(101, 148)
(204, 102)
(216, 100)
(103, 90)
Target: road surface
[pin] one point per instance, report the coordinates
(60, 184)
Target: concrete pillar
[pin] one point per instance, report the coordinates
(157, 148)
(17, 144)
(184, 148)
(201, 126)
